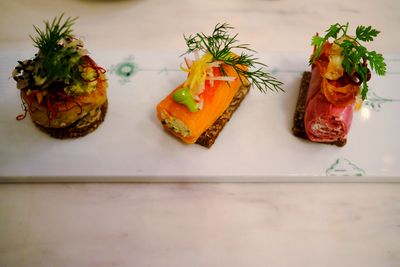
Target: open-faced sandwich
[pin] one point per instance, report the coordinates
(62, 87)
(336, 85)
(218, 80)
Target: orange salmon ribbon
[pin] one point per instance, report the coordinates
(217, 98)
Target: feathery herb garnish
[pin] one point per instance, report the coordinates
(220, 45)
(48, 40)
(59, 53)
(61, 62)
(355, 56)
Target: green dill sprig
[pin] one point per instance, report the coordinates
(47, 40)
(59, 53)
(356, 57)
(220, 45)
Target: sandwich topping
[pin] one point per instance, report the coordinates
(61, 70)
(345, 63)
(338, 83)
(207, 69)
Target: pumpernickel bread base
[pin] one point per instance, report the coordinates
(298, 128)
(73, 131)
(208, 138)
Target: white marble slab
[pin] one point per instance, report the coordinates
(256, 145)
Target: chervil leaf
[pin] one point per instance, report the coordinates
(333, 30)
(362, 71)
(366, 34)
(317, 40)
(377, 62)
(356, 56)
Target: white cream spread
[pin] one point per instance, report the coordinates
(175, 124)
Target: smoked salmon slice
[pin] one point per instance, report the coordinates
(188, 126)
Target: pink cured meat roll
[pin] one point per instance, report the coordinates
(325, 122)
(336, 85)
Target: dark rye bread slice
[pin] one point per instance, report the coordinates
(73, 131)
(298, 128)
(298, 120)
(208, 138)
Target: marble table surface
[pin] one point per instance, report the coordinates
(199, 224)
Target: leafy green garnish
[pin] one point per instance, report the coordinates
(61, 65)
(366, 34)
(220, 45)
(356, 56)
(59, 53)
(47, 40)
